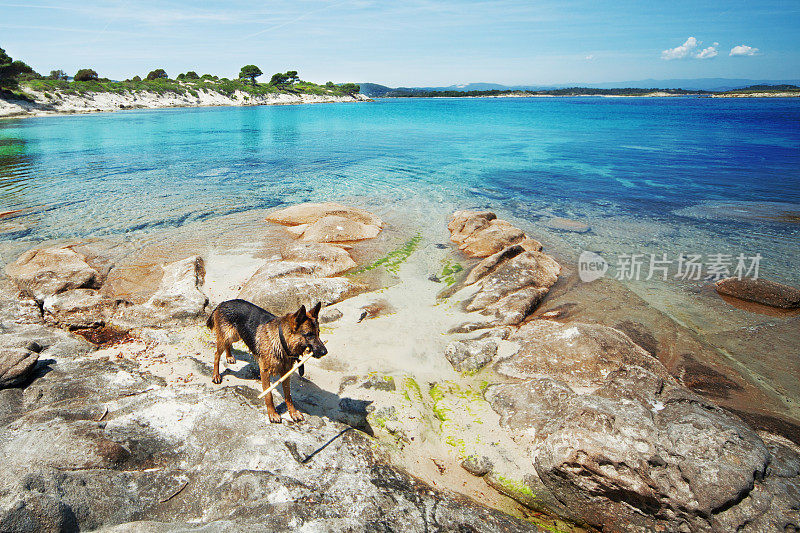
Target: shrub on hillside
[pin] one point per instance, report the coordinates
(86, 74)
(157, 74)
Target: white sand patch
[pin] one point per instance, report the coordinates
(226, 273)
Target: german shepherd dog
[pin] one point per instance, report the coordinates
(276, 342)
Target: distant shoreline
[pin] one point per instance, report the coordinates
(102, 102)
(655, 94)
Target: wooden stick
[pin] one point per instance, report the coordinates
(286, 375)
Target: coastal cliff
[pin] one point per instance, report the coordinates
(58, 102)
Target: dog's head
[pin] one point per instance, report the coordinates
(304, 328)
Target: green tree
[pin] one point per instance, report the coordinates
(330, 84)
(292, 75)
(278, 78)
(180, 77)
(251, 72)
(192, 75)
(11, 71)
(57, 75)
(136, 78)
(157, 74)
(350, 88)
(86, 74)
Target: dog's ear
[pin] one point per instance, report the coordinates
(314, 313)
(299, 316)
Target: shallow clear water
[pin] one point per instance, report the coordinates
(635, 169)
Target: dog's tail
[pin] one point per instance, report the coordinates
(210, 321)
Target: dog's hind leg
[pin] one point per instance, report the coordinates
(229, 358)
(287, 396)
(216, 378)
(273, 414)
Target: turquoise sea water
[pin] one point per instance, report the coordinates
(650, 174)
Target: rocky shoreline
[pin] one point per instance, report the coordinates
(482, 382)
(58, 103)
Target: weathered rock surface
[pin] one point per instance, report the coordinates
(326, 259)
(761, 291)
(77, 308)
(308, 213)
(16, 366)
(477, 466)
(491, 239)
(168, 459)
(179, 294)
(512, 282)
(581, 355)
(616, 442)
(471, 355)
(284, 294)
(481, 233)
(48, 271)
(328, 222)
(333, 228)
(301, 278)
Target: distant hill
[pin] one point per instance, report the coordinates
(699, 84)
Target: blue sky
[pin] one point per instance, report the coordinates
(413, 42)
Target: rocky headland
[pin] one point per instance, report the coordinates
(59, 103)
(468, 387)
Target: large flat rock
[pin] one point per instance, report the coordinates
(620, 444)
(308, 213)
(169, 459)
(48, 271)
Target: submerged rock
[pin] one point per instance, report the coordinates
(761, 291)
(567, 224)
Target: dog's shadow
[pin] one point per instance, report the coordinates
(307, 396)
(248, 371)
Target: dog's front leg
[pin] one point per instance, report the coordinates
(273, 414)
(287, 396)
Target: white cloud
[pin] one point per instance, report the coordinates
(707, 53)
(679, 52)
(743, 50)
(589, 57)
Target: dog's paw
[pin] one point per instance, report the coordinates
(216, 379)
(231, 360)
(275, 418)
(297, 416)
